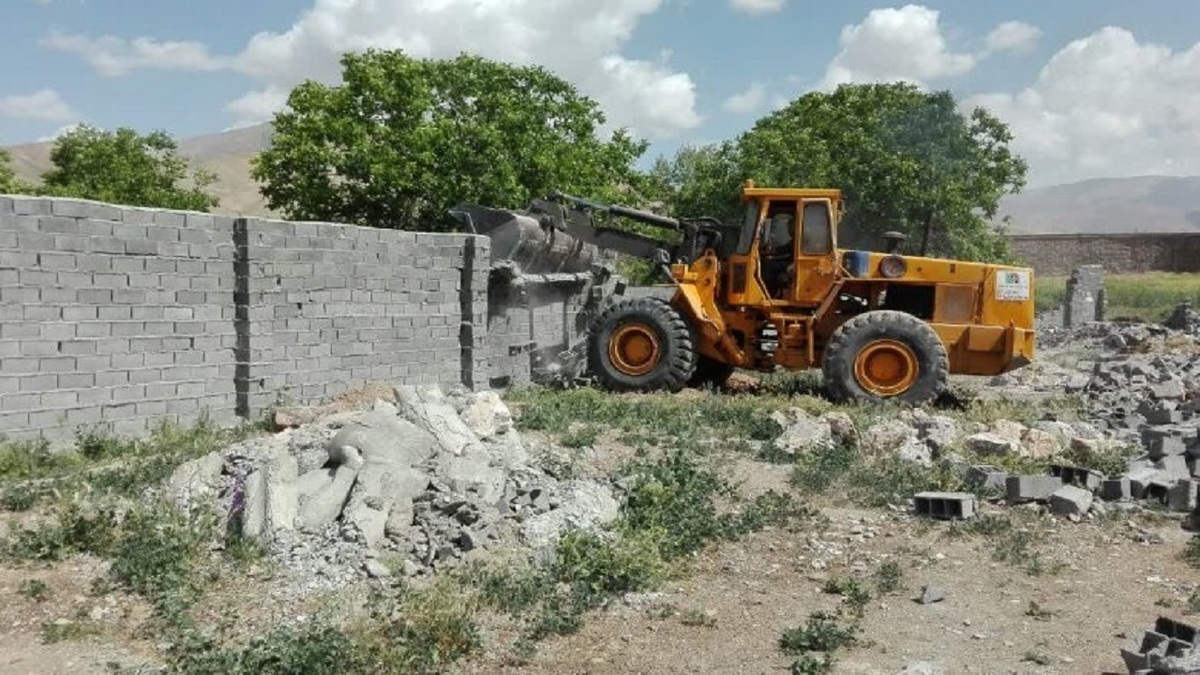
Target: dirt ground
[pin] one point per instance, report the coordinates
(1104, 582)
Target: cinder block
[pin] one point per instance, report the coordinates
(1088, 479)
(1161, 446)
(1032, 488)
(945, 505)
(1116, 489)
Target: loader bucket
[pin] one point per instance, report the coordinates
(521, 238)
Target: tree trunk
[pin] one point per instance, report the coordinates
(928, 234)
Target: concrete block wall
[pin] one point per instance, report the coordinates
(1059, 254)
(333, 306)
(127, 317)
(113, 316)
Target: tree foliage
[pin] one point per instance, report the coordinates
(9, 183)
(907, 160)
(123, 167)
(402, 140)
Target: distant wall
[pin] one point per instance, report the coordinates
(125, 317)
(1058, 254)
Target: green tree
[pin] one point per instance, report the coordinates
(124, 167)
(907, 160)
(9, 183)
(402, 140)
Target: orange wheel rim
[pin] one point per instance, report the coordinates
(886, 367)
(634, 349)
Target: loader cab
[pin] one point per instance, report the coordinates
(787, 252)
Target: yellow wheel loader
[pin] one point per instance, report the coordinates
(774, 292)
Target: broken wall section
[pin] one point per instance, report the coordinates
(532, 319)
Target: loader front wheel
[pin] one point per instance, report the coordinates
(641, 344)
(885, 355)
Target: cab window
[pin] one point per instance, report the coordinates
(817, 237)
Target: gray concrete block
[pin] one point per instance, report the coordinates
(1088, 479)
(1031, 488)
(1070, 500)
(945, 505)
(1115, 489)
(1174, 466)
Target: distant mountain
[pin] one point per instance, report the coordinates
(1107, 206)
(226, 154)
(1100, 206)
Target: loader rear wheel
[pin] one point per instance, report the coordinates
(641, 344)
(885, 355)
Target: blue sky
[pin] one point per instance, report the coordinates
(1091, 88)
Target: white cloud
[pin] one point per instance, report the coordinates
(747, 101)
(1013, 36)
(580, 40)
(256, 106)
(891, 44)
(1107, 105)
(758, 6)
(61, 131)
(45, 105)
(113, 56)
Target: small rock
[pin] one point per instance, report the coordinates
(931, 594)
(377, 570)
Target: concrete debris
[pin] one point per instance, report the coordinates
(434, 481)
(1184, 318)
(993, 444)
(1169, 648)
(1070, 500)
(802, 432)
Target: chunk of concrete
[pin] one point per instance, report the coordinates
(887, 437)
(802, 433)
(1040, 444)
(429, 409)
(486, 415)
(1070, 500)
(983, 477)
(1031, 488)
(195, 482)
(381, 438)
(270, 499)
(319, 509)
(586, 505)
(1164, 445)
(471, 476)
(990, 444)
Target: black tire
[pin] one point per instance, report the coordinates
(710, 372)
(869, 331)
(675, 360)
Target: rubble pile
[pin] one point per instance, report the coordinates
(429, 481)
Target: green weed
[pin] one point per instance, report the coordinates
(1191, 552)
(34, 589)
(889, 578)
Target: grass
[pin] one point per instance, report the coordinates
(101, 464)
(1191, 552)
(1150, 297)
